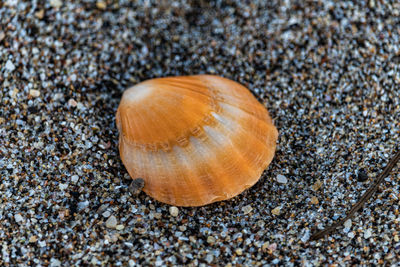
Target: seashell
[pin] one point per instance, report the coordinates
(194, 139)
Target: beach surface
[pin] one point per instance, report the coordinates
(327, 71)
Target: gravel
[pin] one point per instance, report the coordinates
(281, 179)
(327, 71)
(111, 222)
(174, 211)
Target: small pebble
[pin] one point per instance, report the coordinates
(13, 93)
(347, 224)
(56, 3)
(211, 240)
(72, 103)
(106, 214)
(272, 247)
(362, 176)
(74, 178)
(305, 237)
(101, 5)
(10, 66)
(314, 200)
(39, 14)
(120, 227)
(111, 222)
(174, 211)
(63, 186)
(351, 234)
(18, 218)
(247, 209)
(281, 179)
(136, 186)
(239, 251)
(34, 93)
(276, 211)
(317, 185)
(35, 50)
(209, 258)
(55, 263)
(260, 223)
(367, 233)
(32, 239)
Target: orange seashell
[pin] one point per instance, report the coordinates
(194, 139)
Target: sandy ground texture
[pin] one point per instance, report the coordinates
(328, 72)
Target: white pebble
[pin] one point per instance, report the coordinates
(111, 222)
(209, 258)
(63, 186)
(55, 263)
(351, 234)
(239, 251)
(11, 2)
(174, 211)
(73, 77)
(281, 179)
(34, 93)
(18, 218)
(94, 261)
(306, 236)
(72, 103)
(58, 96)
(211, 240)
(276, 211)
(106, 214)
(347, 224)
(83, 205)
(247, 209)
(120, 227)
(13, 93)
(56, 3)
(367, 233)
(74, 178)
(10, 66)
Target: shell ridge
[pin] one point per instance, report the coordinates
(236, 98)
(161, 188)
(227, 144)
(249, 139)
(262, 116)
(205, 171)
(256, 127)
(190, 158)
(182, 87)
(181, 140)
